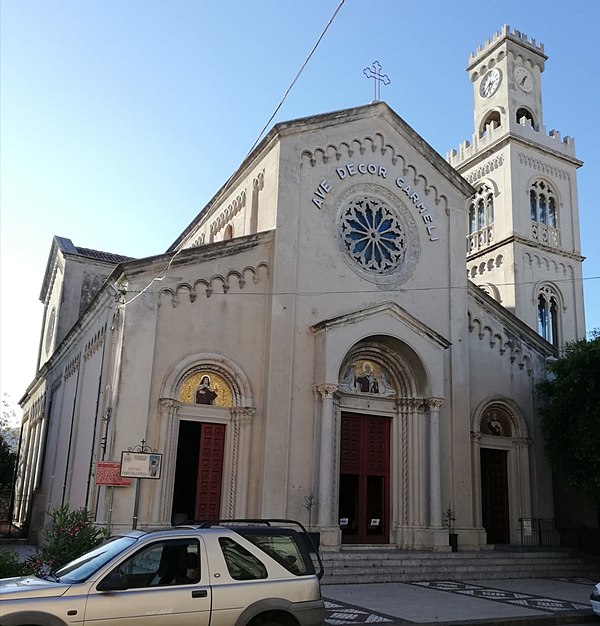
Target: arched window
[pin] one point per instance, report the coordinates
(228, 232)
(481, 217)
(547, 313)
(493, 120)
(542, 204)
(543, 212)
(525, 116)
(472, 219)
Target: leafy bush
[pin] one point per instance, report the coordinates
(69, 535)
(10, 565)
(571, 418)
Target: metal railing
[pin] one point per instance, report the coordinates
(536, 531)
(9, 526)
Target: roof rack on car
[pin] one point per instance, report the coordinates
(248, 521)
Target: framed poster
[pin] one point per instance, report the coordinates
(141, 464)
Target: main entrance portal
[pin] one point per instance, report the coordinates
(364, 478)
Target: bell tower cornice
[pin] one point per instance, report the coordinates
(493, 48)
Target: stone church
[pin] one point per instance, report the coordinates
(349, 334)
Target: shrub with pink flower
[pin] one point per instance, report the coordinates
(69, 535)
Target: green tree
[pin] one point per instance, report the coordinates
(8, 455)
(68, 535)
(571, 419)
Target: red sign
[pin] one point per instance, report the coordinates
(108, 473)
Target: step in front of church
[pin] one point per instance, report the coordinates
(391, 565)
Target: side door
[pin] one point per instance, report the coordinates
(164, 582)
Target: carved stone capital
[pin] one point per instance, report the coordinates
(521, 442)
(326, 390)
(169, 405)
(242, 414)
(475, 435)
(409, 405)
(434, 404)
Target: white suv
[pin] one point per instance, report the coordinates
(243, 573)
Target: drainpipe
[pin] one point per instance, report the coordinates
(71, 432)
(98, 398)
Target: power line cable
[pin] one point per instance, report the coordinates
(287, 91)
(162, 274)
(399, 290)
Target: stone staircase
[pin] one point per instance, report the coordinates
(388, 564)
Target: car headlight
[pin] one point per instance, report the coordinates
(595, 594)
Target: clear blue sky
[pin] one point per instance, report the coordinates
(121, 118)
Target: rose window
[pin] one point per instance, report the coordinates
(372, 235)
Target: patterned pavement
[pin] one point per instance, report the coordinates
(552, 605)
(342, 614)
(338, 614)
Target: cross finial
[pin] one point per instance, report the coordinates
(377, 77)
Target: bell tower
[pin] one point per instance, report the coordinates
(522, 226)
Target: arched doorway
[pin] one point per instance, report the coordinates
(501, 461)
(206, 430)
(201, 448)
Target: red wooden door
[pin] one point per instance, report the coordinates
(210, 472)
(364, 478)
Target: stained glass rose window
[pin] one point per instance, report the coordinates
(372, 234)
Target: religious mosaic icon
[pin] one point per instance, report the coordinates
(377, 234)
(207, 388)
(495, 422)
(367, 377)
(204, 393)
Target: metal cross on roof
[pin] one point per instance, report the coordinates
(377, 77)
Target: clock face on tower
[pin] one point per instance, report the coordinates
(523, 78)
(490, 83)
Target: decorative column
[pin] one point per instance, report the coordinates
(435, 479)
(327, 455)
(167, 444)
(522, 477)
(476, 465)
(241, 418)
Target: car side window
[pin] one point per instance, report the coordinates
(242, 565)
(283, 548)
(174, 562)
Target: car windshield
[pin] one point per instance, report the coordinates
(82, 568)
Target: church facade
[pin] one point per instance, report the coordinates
(348, 334)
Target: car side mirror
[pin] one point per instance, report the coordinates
(113, 582)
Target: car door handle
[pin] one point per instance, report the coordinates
(199, 593)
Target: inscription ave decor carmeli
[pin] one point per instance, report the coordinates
(372, 169)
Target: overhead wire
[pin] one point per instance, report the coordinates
(397, 290)
(287, 91)
(163, 273)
